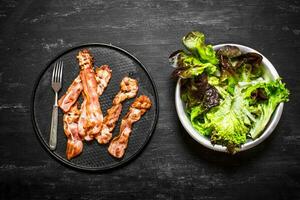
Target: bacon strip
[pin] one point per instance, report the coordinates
(82, 122)
(128, 89)
(103, 75)
(94, 117)
(74, 144)
(119, 144)
(71, 96)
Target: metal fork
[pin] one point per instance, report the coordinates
(56, 86)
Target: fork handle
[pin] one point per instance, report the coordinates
(53, 130)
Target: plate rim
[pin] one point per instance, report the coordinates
(44, 143)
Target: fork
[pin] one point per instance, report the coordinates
(56, 86)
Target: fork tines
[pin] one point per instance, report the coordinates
(57, 72)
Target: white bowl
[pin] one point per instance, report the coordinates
(180, 108)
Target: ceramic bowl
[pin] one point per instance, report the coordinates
(270, 71)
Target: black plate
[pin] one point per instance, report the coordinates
(94, 156)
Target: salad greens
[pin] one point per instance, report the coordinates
(227, 96)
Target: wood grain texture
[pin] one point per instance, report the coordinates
(172, 166)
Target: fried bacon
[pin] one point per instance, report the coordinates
(71, 96)
(74, 144)
(88, 123)
(103, 75)
(128, 89)
(119, 144)
(94, 117)
(82, 122)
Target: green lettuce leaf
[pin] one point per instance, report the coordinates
(200, 121)
(275, 92)
(230, 121)
(195, 43)
(188, 66)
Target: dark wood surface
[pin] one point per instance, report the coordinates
(172, 166)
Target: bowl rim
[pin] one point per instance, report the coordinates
(249, 144)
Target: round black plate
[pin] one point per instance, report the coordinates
(94, 156)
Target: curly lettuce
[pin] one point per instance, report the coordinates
(195, 43)
(228, 97)
(264, 98)
(188, 66)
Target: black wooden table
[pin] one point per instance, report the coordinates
(172, 166)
